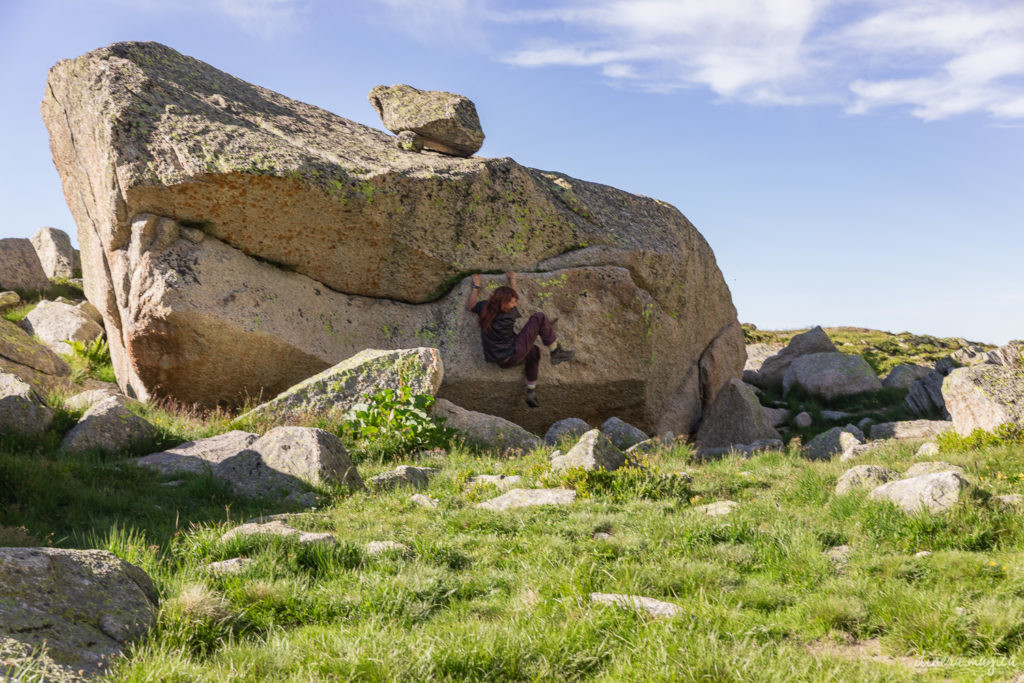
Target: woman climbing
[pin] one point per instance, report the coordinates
(502, 345)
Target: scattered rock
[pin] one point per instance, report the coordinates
(22, 410)
(236, 565)
(778, 417)
(932, 492)
(855, 430)
(910, 429)
(919, 468)
(85, 605)
(594, 451)
(736, 417)
(9, 300)
(803, 420)
(773, 370)
(836, 441)
(108, 426)
(858, 451)
(20, 267)
(719, 508)
(489, 430)
(862, 477)
(655, 608)
(839, 556)
(927, 450)
(198, 457)
(444, 121)
(984, 397)
(339, 391)
(622, 434)
(830, 376)
(925, 396)
(864, 425)
(378, 548)
(424, 501)
(570, 426)
(1010, 502)
(56, 255)
(601, 536)
(87, 399)
(759, 446)
(276, 528)
(923, 553)
(504, 482)
(56, 323)
(834, 415)
(644, 447)
(305, 499)
(904, 375)
(403, 475)
(517, 498)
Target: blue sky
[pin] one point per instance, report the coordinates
(850, 163)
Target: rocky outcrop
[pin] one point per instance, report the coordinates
(56, 255)
(246, 241)
(736, 417)
(56, 323)
(830, 376)
(20, 267)
(773, 369)
(84, 605)
(984, 396)
(441, 121)
(32, 361)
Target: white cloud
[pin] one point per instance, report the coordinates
(267, 19)
(937, 58)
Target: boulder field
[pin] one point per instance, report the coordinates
(236, 241)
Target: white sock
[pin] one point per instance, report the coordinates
(554, 345)
(531, 387)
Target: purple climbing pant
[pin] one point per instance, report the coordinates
(526, 351)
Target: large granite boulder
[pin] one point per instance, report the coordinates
(247, 241)
(443, 121)
(340, 390)
(20, 267)
(774, 368)
(108, 426)
(56, 323)
(489, 430)
(22, 410)
(736, 417)
(830, 376)
(84, 605)
(31, 360)
(931, 492)
(56, 255)
(985, 395)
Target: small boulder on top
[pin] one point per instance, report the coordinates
(20, 267)
(56, 255)
(445, 122)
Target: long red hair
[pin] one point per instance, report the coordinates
(500, 297)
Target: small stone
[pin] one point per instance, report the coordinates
(56, 255)
(9, 299)
(108, 426)
(403, 475)
(834, 415)
(835, 441)
(927, 450)
(923, 553)
(424, 501)
(57, 323)
(277, 528)
(932, 492)
(570, 426)
(378, 548)
(602, 536)
(236, 565)
(856, 431)
(718, 508)
(504, 482)
(839, 556)
(446, 122)
(919, 468)
(22, 410)
(910, 429)
(489, 430)
(1009, 502)
(864, 476)
(655, 608)
(594, 451)
(865, 425)
(803, 420)
(622, 434)
(517, 498)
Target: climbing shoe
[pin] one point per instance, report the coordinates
(531, 398)
(560, 354)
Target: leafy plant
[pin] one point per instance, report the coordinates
(396, 423)
(92, 359)
(1004, 435)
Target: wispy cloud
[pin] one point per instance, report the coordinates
(936, 58)
(267, 19)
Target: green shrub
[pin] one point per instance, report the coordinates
(623, 484)
(396, 423)
(1004, 435)
(91, 359)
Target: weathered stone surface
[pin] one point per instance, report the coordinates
(856, 431)
(56, 255)
(444, 121)
(984, 396)
(777, 417)
(198, 457)
(919, 468)
(904, 375)
(339, 391)
(719, 508)
(757, 354)
(424, 501)
(318, 239)
(1010, 502)
(932, 492)
(835, 415)
(20, 267)
(622, 434)
(504, 482)
(910, 429)
(108, 426)
(839, 557)
(490, 430)
(736, 417)
(277, 528)
(716, 365)
(570, 426)
(925, 396)
(31, 360)
(803, 420)
(87, 399)
(830, 376)
(236, 565)
(403, 475)
(378, 548)
(748, 449)
(773, 369)
(862, 477)
(594, 451)
(90, 311)
(9, 299)
(22, 410)
(56, 323)
(834, 442)
(518, 498)
(927, 450)
(655, 608)
(286, 454)
(86, 605)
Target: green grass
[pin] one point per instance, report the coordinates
(504, 596)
